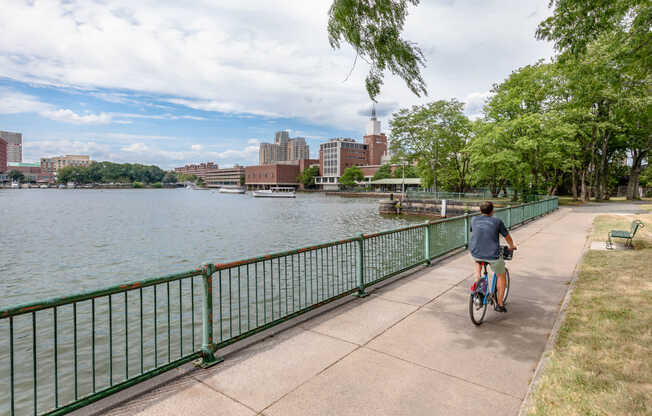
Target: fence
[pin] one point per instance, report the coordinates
(61, 354)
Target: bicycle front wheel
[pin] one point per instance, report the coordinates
(506, 286)
(477, 308)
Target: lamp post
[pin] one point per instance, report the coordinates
(403, 162)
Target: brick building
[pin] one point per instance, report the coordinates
(3, 156)
(278, 174)
(50, 165)
(32, 171)
(198, 170)
(216, 178)
(337, 155)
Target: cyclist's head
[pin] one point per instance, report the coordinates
(487, 207)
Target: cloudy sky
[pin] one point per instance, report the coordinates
(173, 82)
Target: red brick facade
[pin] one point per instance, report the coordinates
(271, 175)
(376, 148)
(3, 156)
(199, 170)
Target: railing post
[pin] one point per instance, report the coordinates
(426, 240)
(359, 258)
(466, 229)
(509, 217)
(208, 358)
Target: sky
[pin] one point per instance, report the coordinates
(175, 82)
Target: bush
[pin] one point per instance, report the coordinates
(137, 185)
(157, 185)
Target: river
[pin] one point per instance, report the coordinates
(58, 242)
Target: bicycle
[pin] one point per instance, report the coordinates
(483, 294)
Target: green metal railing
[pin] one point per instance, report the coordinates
(61, 354)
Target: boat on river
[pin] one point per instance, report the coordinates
(276, 192)
(232, 190)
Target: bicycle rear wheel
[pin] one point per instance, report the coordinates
(506, 286)
(477, 308)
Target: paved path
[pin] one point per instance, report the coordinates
(408, 349)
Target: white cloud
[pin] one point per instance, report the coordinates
(14, 102)
(254, 142)
(69, 116)
(197, 147)
(475, 103)
(257, 57)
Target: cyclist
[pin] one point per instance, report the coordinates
(484, 246)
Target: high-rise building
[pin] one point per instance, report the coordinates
(3, 156)
(14, 145)
(284, 149)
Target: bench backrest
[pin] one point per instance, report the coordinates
(636, 224)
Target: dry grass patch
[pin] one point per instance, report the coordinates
(601, 362)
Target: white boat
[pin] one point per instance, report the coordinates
(15, 185)
(232, 190)
(276, 192)
(43, 186)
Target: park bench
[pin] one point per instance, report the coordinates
(628, 235)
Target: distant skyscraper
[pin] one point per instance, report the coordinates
(14, 145)
(284, 149)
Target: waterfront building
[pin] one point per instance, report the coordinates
(14, 145)
(217, 178)
(50, 165)
(339, 154)
(31, 171)
(277, 174)
(3, 155)
(199, 170)
(284, 149)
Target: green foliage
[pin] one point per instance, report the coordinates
(170, 177)
(16, 175)
(384, 172)
(435, 135)
(200, 182)
(351, 176)
(646, 177)
(576, 24)
(307, 176)
(373, 29)
(137, 185)
(184, 177)
(409, 171)
(107, 172)
(157, 185)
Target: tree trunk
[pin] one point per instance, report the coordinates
(632, 184)
(583, 190)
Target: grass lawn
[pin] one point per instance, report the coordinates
(601, 363)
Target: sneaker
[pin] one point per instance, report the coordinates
(499, 308)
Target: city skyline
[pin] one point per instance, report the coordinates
(225, 77)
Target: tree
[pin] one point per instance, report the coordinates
(435, 135)
(307, 176)
(170, 177)
(16, 176)
(351, 176)
(373, 29)
(576, 24)
(383, 172)
(200, 182)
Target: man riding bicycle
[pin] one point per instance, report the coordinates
(484, 247)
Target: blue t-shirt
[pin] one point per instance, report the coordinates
(484, 243)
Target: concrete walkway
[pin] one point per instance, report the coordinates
(408, 349)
